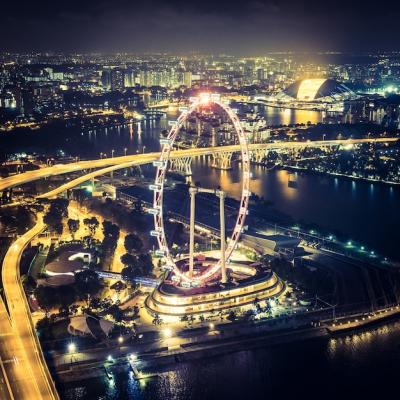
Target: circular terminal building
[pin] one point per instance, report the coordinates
(248, 282)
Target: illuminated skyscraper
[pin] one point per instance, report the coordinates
(117, 79)
(187, 79)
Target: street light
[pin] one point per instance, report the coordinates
(167, 332)
(71, 349)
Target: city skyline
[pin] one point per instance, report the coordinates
(199, 199)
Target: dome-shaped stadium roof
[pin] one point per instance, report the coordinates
(314, 89)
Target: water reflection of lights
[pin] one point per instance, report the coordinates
(130, 130)
(353, 344)
(289, 192)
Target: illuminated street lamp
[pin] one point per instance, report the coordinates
(167, 332)
(71, 349)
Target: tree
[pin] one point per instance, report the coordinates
(118, 286)
(145, 264)
(28, 282)
(58, 228)
(23, 219)
(136, 312)
(95, 303)
(43, 324)
(156, 320)
(88, 241)
(57, 211)
(132, 243)
(231, 316)
(66, 295)
(111, 236)
(92, 224)
(73, 226)
(47, 298)
(128, 259)
(131, 272)
(116, 313)
(87, 284)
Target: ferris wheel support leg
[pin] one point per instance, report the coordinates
(192, 192)
(222, 229)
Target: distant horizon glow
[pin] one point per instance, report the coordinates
(237, 28)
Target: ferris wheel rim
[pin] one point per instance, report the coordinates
(162, 166)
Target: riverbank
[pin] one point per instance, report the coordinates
(148, 362)
(335, 174)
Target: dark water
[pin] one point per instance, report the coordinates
(359, 366)
(354, 366)
(368, 213)
(361, 211)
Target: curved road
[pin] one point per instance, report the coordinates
(26, 369)
(137, 159)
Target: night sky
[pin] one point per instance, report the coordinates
(234, 27)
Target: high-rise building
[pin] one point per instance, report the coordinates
(129, 78)
(145, 77)
(117, 79)
(106, 79)
(260, 74)
(187, 79)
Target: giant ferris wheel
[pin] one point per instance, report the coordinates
(197, 103)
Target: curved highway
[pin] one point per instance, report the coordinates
(138, 159)
(26, 369)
